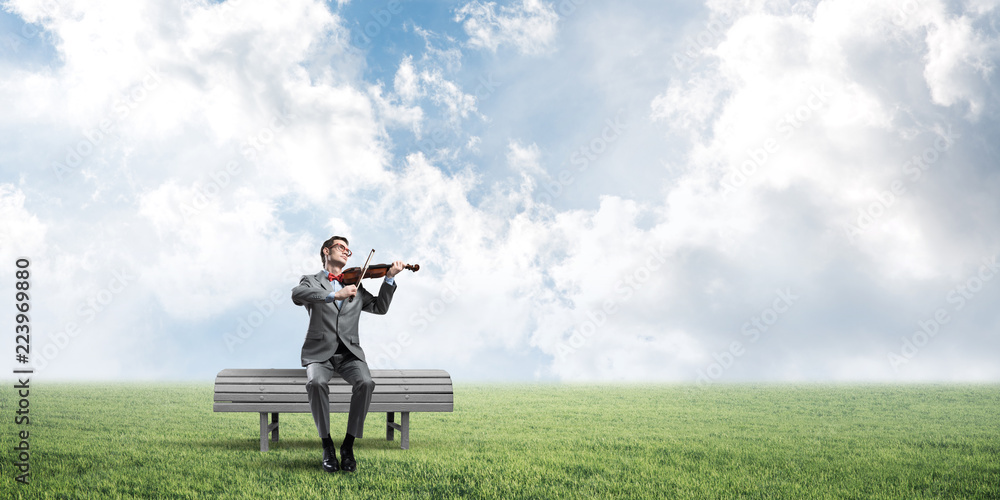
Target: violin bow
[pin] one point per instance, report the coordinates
(363, 271)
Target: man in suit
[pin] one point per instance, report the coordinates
(333, 347)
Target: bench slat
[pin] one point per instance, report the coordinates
(334, 407)
(295, 389)
(334, 398)
(301, 372)
(335, 380)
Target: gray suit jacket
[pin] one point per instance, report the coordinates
(330, 325)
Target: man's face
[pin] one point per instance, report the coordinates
(338, 253)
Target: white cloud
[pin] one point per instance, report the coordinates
(406, 82)
(776, 173)
(21, 233)
(960, 63)
(530, 26)
(447, 94)
(439, 49)
(689, 107)
(524, 159)
(796, 83)
(212, 243)
(410, 85)
(392, 112)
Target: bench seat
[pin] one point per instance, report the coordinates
(276, 390)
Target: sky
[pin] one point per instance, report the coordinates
(656, 191)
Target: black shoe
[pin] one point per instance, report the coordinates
(330, 459)
(347, 460)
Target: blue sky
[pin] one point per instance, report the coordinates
(640, 191)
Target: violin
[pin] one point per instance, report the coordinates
(352, 275)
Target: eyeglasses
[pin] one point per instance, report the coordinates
(341, 248)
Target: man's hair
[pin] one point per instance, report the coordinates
(329, 243)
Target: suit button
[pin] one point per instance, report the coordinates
(261, 388)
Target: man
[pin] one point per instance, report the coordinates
(332, 345)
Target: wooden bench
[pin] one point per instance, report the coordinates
(278, 391)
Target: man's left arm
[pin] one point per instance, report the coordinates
(380, 304)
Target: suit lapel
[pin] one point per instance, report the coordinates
(323, 281)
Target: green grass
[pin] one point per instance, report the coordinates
(526, 441)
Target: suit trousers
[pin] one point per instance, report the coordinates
(355, 372)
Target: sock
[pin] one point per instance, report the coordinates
(327, 442)
(348, 442)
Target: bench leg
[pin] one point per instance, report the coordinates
(403, 427)
(263, 431)
(404, 441)
(274, 424)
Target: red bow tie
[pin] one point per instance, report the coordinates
(338, 277)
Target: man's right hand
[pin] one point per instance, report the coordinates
(346, 292)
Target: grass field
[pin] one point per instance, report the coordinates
(526, 441)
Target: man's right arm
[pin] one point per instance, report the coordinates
(305, 293)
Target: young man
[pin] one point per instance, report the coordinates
(332, 345)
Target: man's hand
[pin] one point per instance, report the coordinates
(346, 292)
(395, 269)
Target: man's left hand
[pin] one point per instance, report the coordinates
(395, 269)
